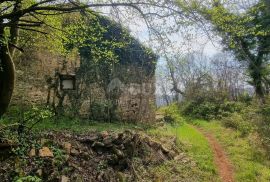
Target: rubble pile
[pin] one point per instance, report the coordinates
(98, 156)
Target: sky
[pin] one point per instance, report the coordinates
(197, 39)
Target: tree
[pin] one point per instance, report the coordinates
(189, 74)
(246, 33)
(228, 75)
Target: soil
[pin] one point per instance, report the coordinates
(225, 168)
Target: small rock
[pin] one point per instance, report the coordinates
(76, 167)
(45, 152)
(66, 157)
(67, 147)
(98, 144)
(178, 157)
(107, 141)
(119, 153)
(185, 160)
(32, 153)
(89, 139)
(74, 152)
(64, 179)
(86, 155)
(165, 150)
(39, 172)
(104, 134)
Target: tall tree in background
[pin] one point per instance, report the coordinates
(244, 32)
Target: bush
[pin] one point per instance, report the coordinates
(205, 109)
(264, 124)
(172, 114)
(237, 121)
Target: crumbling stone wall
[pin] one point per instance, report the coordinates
(135, 89)
(33, 68)
(132, 91)
(136, 103)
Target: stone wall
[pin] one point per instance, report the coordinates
(32, 70)
(130, 88)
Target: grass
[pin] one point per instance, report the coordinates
(83, 126)
(76, 125)
(249, 161)
(191, 141)
(197, 146)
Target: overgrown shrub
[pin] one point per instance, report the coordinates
(263, 124)
(210, 109)
(252, 118)
(20, 121)
(238, 122)
(172, 114)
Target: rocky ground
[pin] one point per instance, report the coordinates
(96, 156)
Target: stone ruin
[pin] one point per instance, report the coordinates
(135, 101)
(126, 94)
(133, 85)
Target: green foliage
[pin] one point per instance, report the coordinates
(246, 33)
(263, 123)
(209, 108)
(82, 126)
(238, 122)
(87, 33)
(28, 179)
(103, 44)
(59, 157)
(252, 118)
(245, 98)
(172, 114)
(26, 117)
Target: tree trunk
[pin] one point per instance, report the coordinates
(256, 74)
(7, 78)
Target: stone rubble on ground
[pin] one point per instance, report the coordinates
(45, 152)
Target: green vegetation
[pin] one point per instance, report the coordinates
(189, 139)
(209, 107)
(191, 142)
(28, 179)
(171, 114)
(239, 134)
(42, 119)
(249, 159)
(209, 92)
(198, 148)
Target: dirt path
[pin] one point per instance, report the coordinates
(225, 168)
